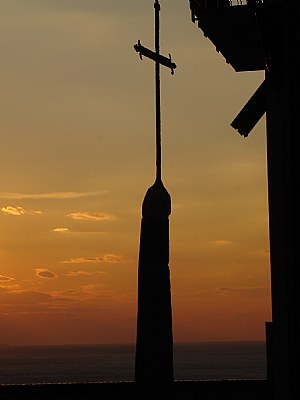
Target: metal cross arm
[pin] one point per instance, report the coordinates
(159, 60)
(165, 61)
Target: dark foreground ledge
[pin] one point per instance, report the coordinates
(183, 390)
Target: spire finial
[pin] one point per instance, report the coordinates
(159, 60)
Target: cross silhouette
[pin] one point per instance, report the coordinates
(159, 60)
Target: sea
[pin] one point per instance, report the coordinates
(107, 363)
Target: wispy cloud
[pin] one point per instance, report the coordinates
(23, 297)
(96, 288)
(17, 211)
(243, 291)
(52, 195)
(225, 291)
(108, 258)
(62, 230)
(77, 273)
(45, 273)
(91, 216)
(222, 242)
(6, 278)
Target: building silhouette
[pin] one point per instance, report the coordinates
(264, 35)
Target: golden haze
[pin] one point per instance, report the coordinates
(77, 155)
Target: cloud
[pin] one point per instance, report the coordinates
(17, 211)
(108, 258)
(112, 258)
(23, 297)
(77, 232)
(244, 291)
(6, 278)
(224, 291)
(78, 273)
(222, 242)
(45, 273)
(60, 230)
(96, 288)
(53, 195)
(91, 216)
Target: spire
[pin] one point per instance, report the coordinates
(154, 343)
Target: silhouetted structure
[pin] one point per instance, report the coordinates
(253, 35)
(264, 35)
(154, 344)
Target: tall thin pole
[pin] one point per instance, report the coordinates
(157, 87)
(159, 60)
(154, 341)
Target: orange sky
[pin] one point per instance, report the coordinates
(77, 155)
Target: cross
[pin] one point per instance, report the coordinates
(159, 60)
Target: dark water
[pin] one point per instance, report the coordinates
(94, 363)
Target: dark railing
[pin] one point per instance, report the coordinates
(219, 3)
(197, 5)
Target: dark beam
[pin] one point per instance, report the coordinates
(165, 61)
(252, 112)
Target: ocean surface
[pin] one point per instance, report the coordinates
(100, 363)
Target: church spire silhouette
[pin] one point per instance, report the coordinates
(154, 343)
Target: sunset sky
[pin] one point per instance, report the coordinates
(77, 156)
